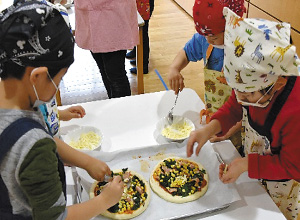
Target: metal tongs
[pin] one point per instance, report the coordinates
(220, 159)
(170, 116)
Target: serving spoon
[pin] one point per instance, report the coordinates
(170, 116)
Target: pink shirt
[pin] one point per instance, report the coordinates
(106, 25)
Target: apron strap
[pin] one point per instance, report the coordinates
(208, 52)
(265, 130)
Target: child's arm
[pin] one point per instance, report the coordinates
(202, 135)
(96, 168)
(93, 207)
(231, 132)
(71, 112)
(174, 76)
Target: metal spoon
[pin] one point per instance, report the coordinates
(170, 116)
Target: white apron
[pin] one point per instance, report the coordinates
(285, 193)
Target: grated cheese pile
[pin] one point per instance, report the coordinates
(177, 131)
(87, 141)
(179, 181)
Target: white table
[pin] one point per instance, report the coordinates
(130, 122)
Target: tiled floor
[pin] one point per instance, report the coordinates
(83, 81)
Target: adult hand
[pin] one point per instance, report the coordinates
(234, 170)
(71, 112)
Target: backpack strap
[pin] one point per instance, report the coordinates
(14, 131)
(8, 138)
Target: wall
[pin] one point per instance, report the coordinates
(279, 10)
(187, 5)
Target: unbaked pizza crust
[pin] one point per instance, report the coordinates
(177, 199)
(124, 215)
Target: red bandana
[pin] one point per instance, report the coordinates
(143, 7)
(208, 15)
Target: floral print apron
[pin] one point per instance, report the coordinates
(285, 194)
(216, 89)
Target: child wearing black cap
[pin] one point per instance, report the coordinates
(36, 50)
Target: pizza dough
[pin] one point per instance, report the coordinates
(179, 180)
(135, 198)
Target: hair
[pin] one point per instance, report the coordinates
(13, 70)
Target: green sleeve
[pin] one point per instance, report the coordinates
(39, 179)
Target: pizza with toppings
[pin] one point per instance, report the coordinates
(179, 180)
(135, 198)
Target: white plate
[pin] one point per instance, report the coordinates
(74, 135)
(163, 123)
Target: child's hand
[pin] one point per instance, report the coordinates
(200, 136)
(223, 168)
(113, 191)
(215, 138)
(230, 133)
(176, 80)
(71, 112)
(97, 169)
(234, 170)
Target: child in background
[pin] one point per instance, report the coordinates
(208, 45)
(37, 48)
(260, 65)
(145, 8)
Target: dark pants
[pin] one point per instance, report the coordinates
(112, 69)
(146, 48)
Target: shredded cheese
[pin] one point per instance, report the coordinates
(87, 141)
(179, 181)
(177, 131)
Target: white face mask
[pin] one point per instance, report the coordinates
(219, 46)
(257, 104)
(39, 102)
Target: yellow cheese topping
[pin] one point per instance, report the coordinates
(87, 141)
(177, 131)
(179, 181)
